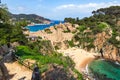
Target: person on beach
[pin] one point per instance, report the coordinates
(101, 51)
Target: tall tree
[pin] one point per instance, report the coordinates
(4, 17)
(8, 32)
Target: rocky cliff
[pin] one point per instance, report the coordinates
(67, 35)
(59, 35)
(109, 50)
(100, 41)
(59, 73)
(62, 33)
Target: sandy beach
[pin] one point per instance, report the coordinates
(79, 56)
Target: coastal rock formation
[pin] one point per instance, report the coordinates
(109, 50)
(96, 42)
(58, 34)
(57, 72)
(101, 38)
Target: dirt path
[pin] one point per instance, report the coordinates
(17, 71)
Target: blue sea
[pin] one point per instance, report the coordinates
(38, 27)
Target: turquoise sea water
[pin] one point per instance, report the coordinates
(43, 26)
(105, 70)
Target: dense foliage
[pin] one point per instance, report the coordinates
(3, 14)
(40, 51)
(102, 18)
(9, 32)
(25, 52)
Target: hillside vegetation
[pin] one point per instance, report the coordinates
(29, 18)
(103, 20)
(100, 32)
(41, 51)
(8, 32)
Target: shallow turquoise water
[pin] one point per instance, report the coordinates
(105, 70)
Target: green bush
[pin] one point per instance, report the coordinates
(56, 47)
(113, 41)
(102, 26)
(79, 75)
(26, 53)
(99, 28)
(91, 45)
(81, 28)
(71, 43)
(43, 61)
(67, 31)
(48, 31)
(55, 28)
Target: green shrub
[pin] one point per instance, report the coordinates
(102, 26)
(91, 45)
(67, 31)
(99, 28)
(26, 53)
(48, 31)
(74, 32)
(113, 41)
(55, 28)
(81, 28)
(56, 47)
(78, 74)
(71, 43)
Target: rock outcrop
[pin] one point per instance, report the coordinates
(109, 50)
(57, 72)
(99, 41)
(58, 35)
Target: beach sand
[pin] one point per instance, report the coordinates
(79, 56)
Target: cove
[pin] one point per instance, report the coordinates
(38, 27)
(104, 70)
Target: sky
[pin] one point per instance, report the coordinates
(58, 9)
